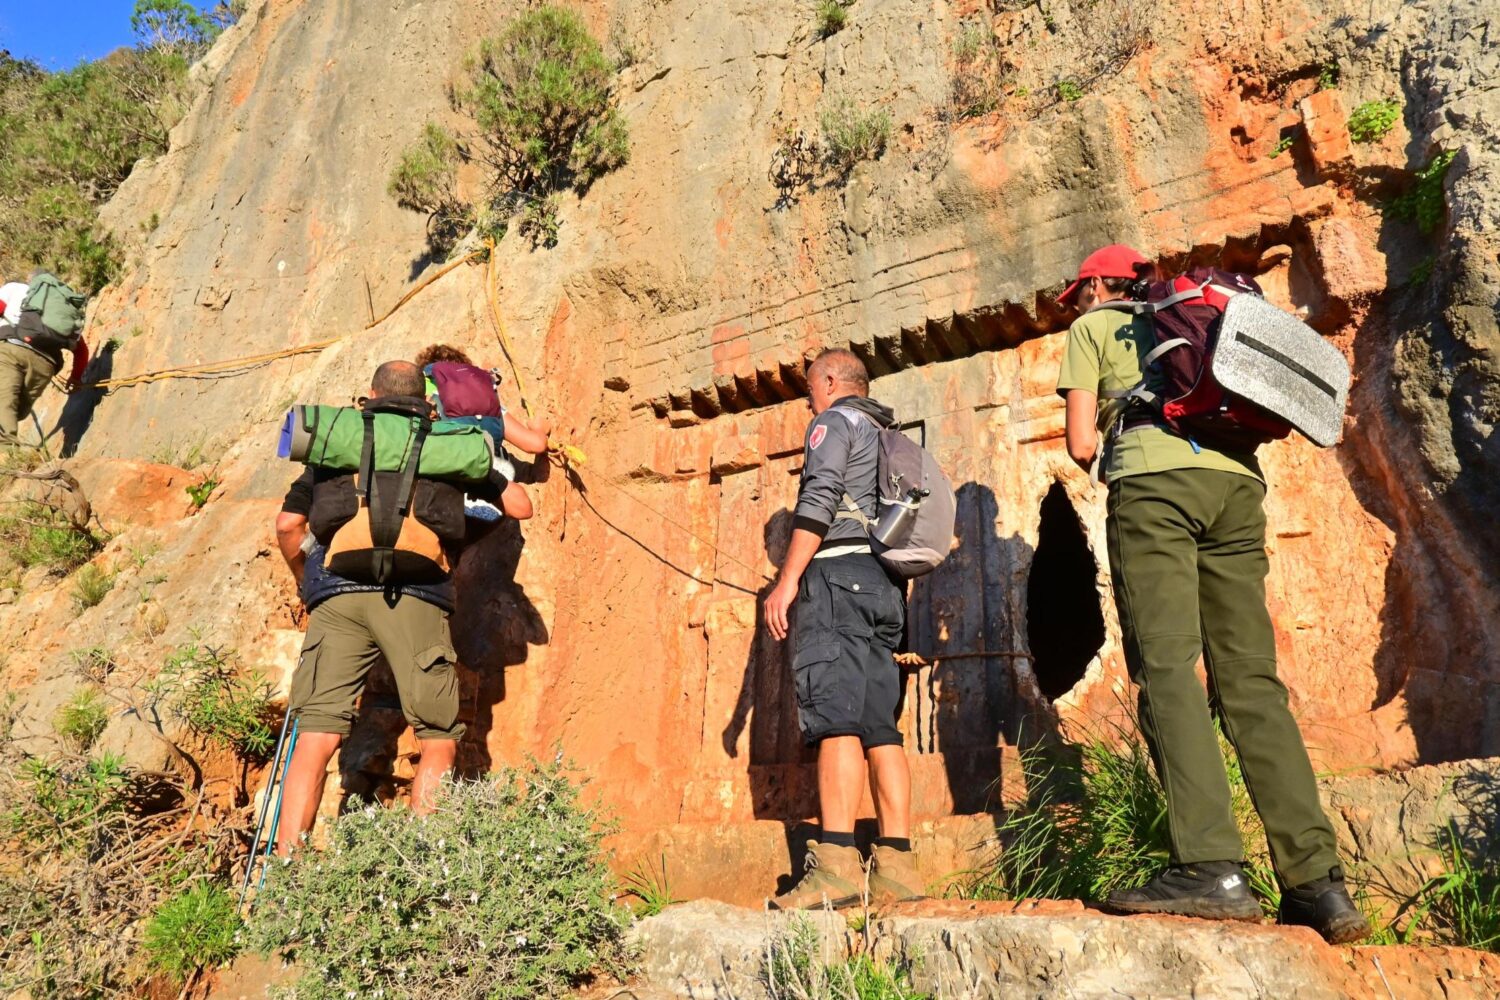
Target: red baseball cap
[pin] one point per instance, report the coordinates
(1113, 261)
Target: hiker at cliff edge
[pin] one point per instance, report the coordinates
(1186, 530)
(845, 616)
(38, 321)
(353, 622)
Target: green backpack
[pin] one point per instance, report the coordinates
(51, 314)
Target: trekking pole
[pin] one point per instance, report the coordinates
(276, 816)
(265, 807)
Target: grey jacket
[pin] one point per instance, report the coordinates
(839, 456)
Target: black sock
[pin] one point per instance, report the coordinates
(837, 839)
(895, 843)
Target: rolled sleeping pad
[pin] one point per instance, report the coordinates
(332, 437)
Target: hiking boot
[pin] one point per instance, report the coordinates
(835, 876)
(893, 876)
(1214, 890)
(1324, 905)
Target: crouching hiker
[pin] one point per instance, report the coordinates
(845, 616)
(371, 535)
(1186, 528)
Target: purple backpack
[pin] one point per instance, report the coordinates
(464, 390)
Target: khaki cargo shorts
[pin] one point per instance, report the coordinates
(346, 633)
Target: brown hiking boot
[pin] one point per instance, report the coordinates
(893, 876)
(835, 876)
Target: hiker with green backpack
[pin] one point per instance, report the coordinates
(42, 319)
(1170, 386)
(372, 531)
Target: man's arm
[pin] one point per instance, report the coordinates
(291, 529)
(1082, 434)
(799, 552)
(515, 502)
(80, 362)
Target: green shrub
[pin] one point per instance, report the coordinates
(851, 135)
(1424, 202)
(540, 97)
(195, 930)
(1282, 145)
(794, 967)
(832, 16)
(1098, 822)
(1373, 119)
(91, 586)
(81, 719)
(39, 535)
(1069, 90)
(204, 688)
(69, 805)
(1328, 75)
(977, 85)
(501, 892)
(539, 221)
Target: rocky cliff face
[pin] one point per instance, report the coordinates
(666, 331)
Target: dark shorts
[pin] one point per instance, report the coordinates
(846, 624)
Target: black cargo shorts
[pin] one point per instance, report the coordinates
(846, 624)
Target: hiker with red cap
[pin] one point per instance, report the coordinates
(1186, 535)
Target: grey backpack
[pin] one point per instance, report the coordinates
(913, 527)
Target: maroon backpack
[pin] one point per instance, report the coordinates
(464, 390)
(1186, 313)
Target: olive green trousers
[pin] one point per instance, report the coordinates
(1188, 556)
(24, 375)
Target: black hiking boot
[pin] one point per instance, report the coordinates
(1324, 905)
(1214, 890)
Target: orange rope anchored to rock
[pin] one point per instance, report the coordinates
(236, 366)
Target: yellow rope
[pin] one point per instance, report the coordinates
(233, 366)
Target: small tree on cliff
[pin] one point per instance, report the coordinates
(540, 97)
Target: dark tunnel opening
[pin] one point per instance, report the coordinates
(1064, 620)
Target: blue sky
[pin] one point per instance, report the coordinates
(59, 34)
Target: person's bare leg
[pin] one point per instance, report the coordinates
(437, 760)
(841, 782)
(890, 787)
(302, 788)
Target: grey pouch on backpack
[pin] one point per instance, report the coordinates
(1282, 365)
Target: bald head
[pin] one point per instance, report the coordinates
(398, 378)
(844, 367)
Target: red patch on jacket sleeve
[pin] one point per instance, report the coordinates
(819, 433)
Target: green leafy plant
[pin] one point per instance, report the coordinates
(500, 892)
(1421, 272)
(1282, 145)
(648, 883)
(199, 492)
(69, 805)
(1069, 90)
(1463, 903)
(851, 135)
(1424, 202)
(1373, 119)
(539, 221)
(832, 16)
(195, 930)
(91, 586)
(426, 180)
(1328, 75)
(81, 719)
(204, 688)
(795, 966)
(1097, 822)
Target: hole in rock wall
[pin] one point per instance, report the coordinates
(1064, 622)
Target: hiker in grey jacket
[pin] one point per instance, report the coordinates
(845, 616)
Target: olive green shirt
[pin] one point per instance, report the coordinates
(1103, 354)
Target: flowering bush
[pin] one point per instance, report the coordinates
(501, 893)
